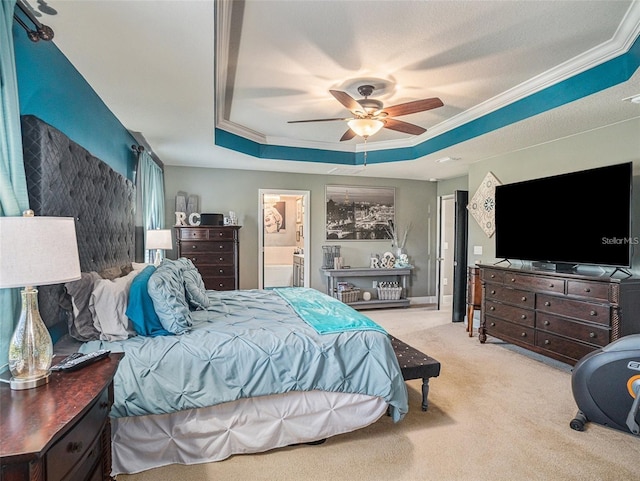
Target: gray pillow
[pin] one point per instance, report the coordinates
(81, 325)
(108, 306)
(193, 285)
(166, 289)
(111, 273)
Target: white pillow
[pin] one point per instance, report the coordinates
(138, 266)
(108, 305)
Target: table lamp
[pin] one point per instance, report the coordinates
(35, 251)
(158, 239)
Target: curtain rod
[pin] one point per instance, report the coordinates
(42, 32)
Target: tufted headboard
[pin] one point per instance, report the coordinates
(64, 179)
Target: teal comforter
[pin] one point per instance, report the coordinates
(251, 343)
(326, 314)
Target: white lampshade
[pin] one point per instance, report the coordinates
(159, 239)
(365, 127)
(37, 251)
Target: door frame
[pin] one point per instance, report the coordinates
(306, 195)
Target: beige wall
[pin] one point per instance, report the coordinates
(606, 146)
(449, 186)
(222, 190)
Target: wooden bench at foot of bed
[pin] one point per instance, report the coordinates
(415, 365)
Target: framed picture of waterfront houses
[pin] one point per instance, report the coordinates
(359, 213)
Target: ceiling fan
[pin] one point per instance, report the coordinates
(370, 115)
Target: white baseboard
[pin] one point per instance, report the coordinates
(423, 300)
(447, 300)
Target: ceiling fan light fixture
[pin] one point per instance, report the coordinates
(365, 127)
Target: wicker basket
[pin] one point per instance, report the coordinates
(348, 296)
(389, 293)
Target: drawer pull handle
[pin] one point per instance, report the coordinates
(493, 291)
(523, 316)
(74, 447)
(523, 298)
(194, 247)
(220, 234)
(193, 259)
(493, 324)
(221, 246)
(492, 308)
(524, 334)
(546, 323)
(586, 289)
(513, 279)
(547, 342)
(550, 285)
(547, 303)
(221, 285)
(592, 335)
(593, 313)
(221, 271)
(222, 258)
(493, 276)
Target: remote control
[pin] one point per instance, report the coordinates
(80, 361)
(70, 357)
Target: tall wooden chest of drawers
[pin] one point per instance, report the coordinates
(215, 251)
(560, 315)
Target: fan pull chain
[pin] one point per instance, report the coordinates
(365, 151)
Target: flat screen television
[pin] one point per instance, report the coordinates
(578, 218)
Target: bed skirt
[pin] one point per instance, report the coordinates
(248, 425)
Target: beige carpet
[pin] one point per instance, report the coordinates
(494, 414)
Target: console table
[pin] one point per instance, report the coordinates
(560, 315)
(401, 273)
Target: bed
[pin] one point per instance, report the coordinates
(232, 372)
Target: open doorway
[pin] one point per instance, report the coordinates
(283, 238)
(446, 240)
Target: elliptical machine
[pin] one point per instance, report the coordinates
(606, 386)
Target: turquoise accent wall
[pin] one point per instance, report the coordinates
(51, 88)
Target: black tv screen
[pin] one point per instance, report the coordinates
(577, 218)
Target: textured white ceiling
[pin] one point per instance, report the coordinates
(154, 64)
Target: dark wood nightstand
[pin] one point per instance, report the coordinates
(59, 431)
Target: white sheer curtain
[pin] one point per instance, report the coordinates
(152, 194)
(13, 186)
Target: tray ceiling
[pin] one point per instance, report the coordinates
(213, 84)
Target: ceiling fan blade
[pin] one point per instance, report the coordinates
(413, 107)
(348, 135)
(404, 127)
(347, 100)
(316, 120)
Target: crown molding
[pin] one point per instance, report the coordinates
(624, 37)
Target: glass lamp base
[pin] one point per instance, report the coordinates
(20, 384)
